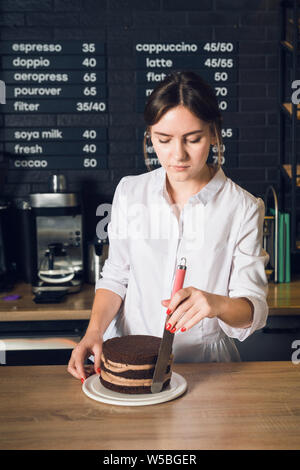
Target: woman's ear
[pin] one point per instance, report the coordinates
(213, 140)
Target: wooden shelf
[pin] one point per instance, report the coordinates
(288, 107)
(288, 169)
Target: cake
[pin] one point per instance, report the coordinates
(128, 363)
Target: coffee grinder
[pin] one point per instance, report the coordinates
(57, 245)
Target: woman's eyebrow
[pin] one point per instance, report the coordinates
(188, 133)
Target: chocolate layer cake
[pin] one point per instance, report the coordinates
(128, 363)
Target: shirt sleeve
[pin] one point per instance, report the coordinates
(248, 277)
(115, 271)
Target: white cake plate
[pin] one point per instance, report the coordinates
(94, 389)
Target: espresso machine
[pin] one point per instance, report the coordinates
(54, 242)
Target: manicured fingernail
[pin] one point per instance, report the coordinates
(183, 329)
(82, 380)
(168, 311)
(168, 326)
(173, 330)
(98, 370)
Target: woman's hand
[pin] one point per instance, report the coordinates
(189, 306)
(91, 343)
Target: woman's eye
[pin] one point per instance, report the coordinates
(189, 141)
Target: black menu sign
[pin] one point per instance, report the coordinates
(66, 77)
(215, 62)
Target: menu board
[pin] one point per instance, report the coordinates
(216, 62)
(66, 77)
(70, 78)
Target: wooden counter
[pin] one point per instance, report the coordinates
(74, 306)
(251, 405)
(283, 299)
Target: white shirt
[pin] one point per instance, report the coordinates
(218, 231)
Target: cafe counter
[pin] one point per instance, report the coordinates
(250, 405)
(45, 334)
(283, 299)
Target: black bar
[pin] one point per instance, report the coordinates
(222, 91)
(59, 163)
(227, 133)
(185, 61)
(229, 161)
(52, 47)
(228, 147)
(230, 105)
(203, 47)
(214, 77)
(64, 62)
(34, 134)
(22, 149)
(23, 91)
(40, 77)
(54, 106)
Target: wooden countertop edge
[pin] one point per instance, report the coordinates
(283, 300)
(46, 315)
(51, 315)
(284, 311)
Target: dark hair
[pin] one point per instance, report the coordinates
(188, 89)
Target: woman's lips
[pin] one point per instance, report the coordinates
(180, 168)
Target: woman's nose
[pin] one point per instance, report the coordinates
(179, 151)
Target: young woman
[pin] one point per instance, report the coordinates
(185, 208)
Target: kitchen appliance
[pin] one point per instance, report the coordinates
(165, 348)
(53, 242)
(7, 263)
(97, 254)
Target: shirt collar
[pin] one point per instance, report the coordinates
(204, 195)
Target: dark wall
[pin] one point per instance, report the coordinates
(122, 23)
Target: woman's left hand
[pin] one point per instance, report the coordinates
(189, 306)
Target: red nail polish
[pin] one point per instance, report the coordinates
(173, 330)
(82, 380)
(183, 329)
(168, 326)
(98, 370)
(168, 311)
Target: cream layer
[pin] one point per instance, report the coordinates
(116, 380)
(119, 367)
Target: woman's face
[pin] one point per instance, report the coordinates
(182, 143)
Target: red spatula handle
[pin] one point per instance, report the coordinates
(179, 276)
